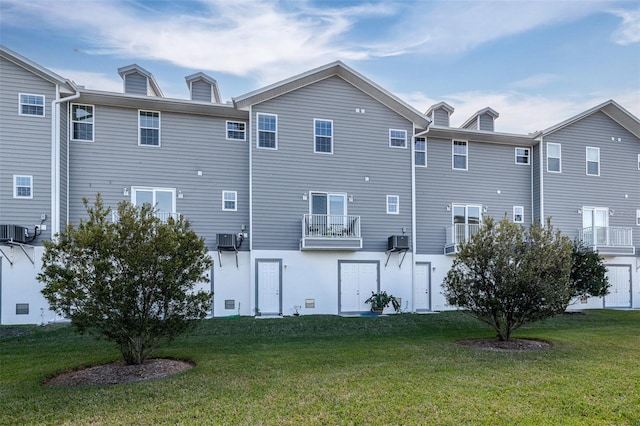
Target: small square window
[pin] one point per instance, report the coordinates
(229, 200)
(522, 156)
(22, 309)
(31, 104)
(393, 204)
(236, 130)
(229, 304)
(397, 138)
(518, 214)
(22, 186)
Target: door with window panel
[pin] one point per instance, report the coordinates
(595, 222)
(162, 199)
(328, 213)
(466, 221)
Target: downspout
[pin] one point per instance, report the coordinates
(413, 220)
(541, 195)
(55, 158)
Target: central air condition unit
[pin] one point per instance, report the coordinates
(13, 233)
(398, 242)
(227, 241)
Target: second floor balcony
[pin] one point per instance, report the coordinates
(457, 234)
(610, 240)
(330, 232)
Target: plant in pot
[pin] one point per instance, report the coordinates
(381, 300)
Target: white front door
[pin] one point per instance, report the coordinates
(620, 291)
(268, 287)
(421, 296)
(357, 281)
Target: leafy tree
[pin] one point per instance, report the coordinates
(507, 275)
(588, 272)
(130, 281)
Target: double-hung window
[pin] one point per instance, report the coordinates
(323, 136)
(522, 156)
(31, 104)
(236, 130)
(593, 161)
(393, 204)
(149, 125)
(554, 158)
(267, 131)
(460, 153)
(22, 186)
(82, 122)
(397, 138)
(230, 200)
(421, 152)
(518, 214)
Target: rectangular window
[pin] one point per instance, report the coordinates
(518, 214)
(554, 157)
(163, 199)
(22, 309)
(31, 104)
(638, 217)
(267, 131)
(323, 136)
(522, 155)
(149, 124)
(466, 221)
(638, 161)
(397, 138)
(595, 225)
(421, 152)
(459, 161)
(22, 186)
(393, 204)
(236, 130)
(82, 122)
(593, 161)
(229, 200)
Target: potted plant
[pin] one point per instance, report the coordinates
(381, 300)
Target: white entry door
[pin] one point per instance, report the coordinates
(620, 291)
(269, 285)
(421, 296)
(357, 281)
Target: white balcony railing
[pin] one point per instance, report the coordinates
(460, 233)
(330, 226)
(610, 236)
(163, 216)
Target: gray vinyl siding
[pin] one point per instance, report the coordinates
(189, 143)
(201, 91)
(440, 117)
(25, 148)
(486, 122)
(361, 148)
(136, 83)
(566, 192)
(535, 164)
(491, 168)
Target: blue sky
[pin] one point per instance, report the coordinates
(535, 62)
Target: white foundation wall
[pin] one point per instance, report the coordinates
(19, 285)
(229, 282)
(313, 275)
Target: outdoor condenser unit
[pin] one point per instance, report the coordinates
(398, 242)
(227, 241)
(13, 233)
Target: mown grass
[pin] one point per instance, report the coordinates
(402, 369)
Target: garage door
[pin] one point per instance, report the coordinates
(356, 282)
(620, 291)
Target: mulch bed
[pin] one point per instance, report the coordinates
(511, 345)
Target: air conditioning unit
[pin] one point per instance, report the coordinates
(398, 242)
(227, 241)
(13, 233)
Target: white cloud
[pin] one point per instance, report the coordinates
(534, 81)
(629, 30)
(92, 80)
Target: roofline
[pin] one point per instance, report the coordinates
(128, 69)
(336, 68)
(486, 110)
(35, 68)
(439, 105)
(477, 135)
(202, 76)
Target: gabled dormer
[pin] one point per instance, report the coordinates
(481, 120)
(440, 113)
(203, 88)
(139, 81)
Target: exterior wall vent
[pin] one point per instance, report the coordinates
(13, 233)
(398, 242)
(227, 241)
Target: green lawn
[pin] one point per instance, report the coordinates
(401, 369)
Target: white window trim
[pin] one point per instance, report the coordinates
(638, 161)
(389, 204)
(226, 130)
(235, 201)
(638, 217)
(258, 114)
(15, 187)
(93, 123)
(528, 156)
(521, 208)
(135, 189)
(453, 154)
(404, 146)
(586, 166)
(559, 157)
(316, 135)
(159, 128)
(44, 109)
(426, 161)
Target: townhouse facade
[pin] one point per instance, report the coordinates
(310, 193)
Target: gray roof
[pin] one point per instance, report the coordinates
(477, 135)
(129, 69)
(440, 105)
(493, 113)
